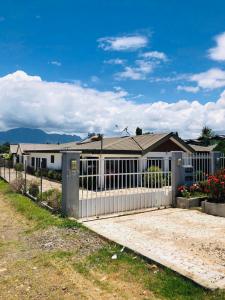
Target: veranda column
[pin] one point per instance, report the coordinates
(70, 184)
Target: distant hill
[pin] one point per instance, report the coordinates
(38, 136)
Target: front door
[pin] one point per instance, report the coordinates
(44, 163)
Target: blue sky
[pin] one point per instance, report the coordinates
(145, 51)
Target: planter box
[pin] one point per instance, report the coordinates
(186, 203)
(215, 209)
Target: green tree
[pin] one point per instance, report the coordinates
(138, 131)
(220, 146)
(206, 135)
(4, 148)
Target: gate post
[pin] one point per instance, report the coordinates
(176, 172)
(214, 161)
(70, 183)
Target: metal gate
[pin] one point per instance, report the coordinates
(119, 185)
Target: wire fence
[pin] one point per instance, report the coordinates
(37, 187)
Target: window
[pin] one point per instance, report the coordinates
(32, 161)
(52, 159)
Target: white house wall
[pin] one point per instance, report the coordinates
(57, 165)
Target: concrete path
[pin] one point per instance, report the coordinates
(186, 241)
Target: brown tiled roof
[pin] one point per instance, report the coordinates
(25, 147)
(200, 148)
(128, 144)
(140, 143)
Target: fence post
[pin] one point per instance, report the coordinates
(25, 178)
(215, 161)
(4, 169)
(70, 184)
(176, 172)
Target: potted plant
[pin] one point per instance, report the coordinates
(190, 196)
(215, 204)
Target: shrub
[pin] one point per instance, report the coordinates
(53, 198)
(30, 170)
(53, 174)
(19, 167)
(18, 185)
(33, 189)
(216, 187)
(44, 172)
(154, 177)
(41, 172)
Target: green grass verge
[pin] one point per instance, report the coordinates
(32, 211)
(161, 281)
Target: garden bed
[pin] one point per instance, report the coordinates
(186, 203)
(212, 208)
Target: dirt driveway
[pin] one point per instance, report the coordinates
(187, 241)
(41, 264)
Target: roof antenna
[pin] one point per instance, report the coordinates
(126, 131)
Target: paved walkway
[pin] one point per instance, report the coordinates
(186, 241)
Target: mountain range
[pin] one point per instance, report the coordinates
(38, 136)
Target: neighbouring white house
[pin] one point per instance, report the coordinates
(158, 146)
(37, 155)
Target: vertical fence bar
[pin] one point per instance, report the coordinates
(9, 174)
(4, 169)
(41, 180)
(25, 177)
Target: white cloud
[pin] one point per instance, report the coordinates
(154, 55)
(115, 61)
(53, 106)
(122, 43)
(56, 63)
(138, 72)
(190, 89)
(130, 73)
(211, 79)
(144, 66)
(218, 52)
(95, 79)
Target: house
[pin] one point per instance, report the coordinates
(13, 152)
(47, 156)
(145, 146)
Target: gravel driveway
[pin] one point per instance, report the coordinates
(187, 241)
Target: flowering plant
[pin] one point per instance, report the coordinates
(216, 186)
(188, 191)
(183, 191)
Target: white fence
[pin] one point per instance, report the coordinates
(201, 164)
(222, 161)
(113, 186)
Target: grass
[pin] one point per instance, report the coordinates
(161, 281)
(128, 267)
(42, 218)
